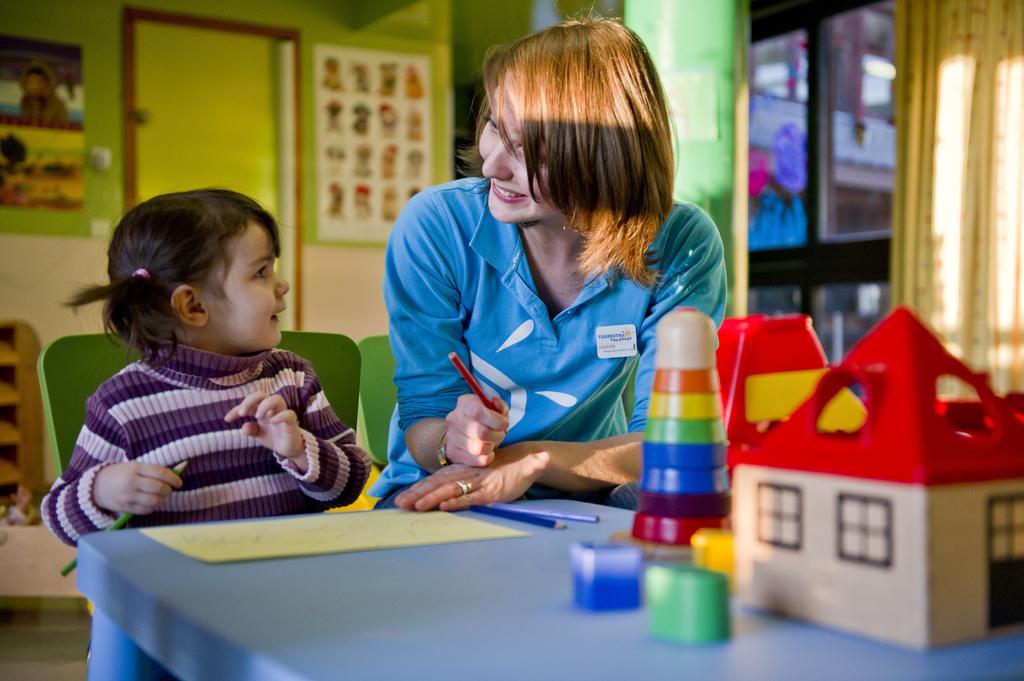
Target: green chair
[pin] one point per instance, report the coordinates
(72, 367)
(377, 395)
(335, 357)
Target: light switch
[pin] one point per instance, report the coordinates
(99, 226)
(100, 158)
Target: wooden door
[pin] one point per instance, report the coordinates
(211, 103)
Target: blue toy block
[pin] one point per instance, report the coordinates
(606, 577)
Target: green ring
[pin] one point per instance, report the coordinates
(684, 431)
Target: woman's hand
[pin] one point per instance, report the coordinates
(474, 431)
(506, 479)
(133, 487)
(276, 426)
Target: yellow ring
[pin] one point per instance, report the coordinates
(684, 405)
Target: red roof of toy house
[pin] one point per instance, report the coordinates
(758, 344)
(909, 436)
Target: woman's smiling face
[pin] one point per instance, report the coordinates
(509, 199)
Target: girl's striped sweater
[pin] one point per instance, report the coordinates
(167, 414)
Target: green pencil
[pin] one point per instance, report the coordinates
(121, 521)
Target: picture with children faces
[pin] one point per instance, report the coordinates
(373, 139)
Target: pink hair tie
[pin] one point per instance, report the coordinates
(141, 272)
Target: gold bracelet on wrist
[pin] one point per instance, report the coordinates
(442, 450)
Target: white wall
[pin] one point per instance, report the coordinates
(958, 553)
(937, 591)
(884, 603)
(37, 274)
(341, 291)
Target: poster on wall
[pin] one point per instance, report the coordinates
(373, 143)
(42, 143)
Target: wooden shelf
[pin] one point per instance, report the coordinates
(8, 395)
(9, 434)
(21, 422)
(9, 473)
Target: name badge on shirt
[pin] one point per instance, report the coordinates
(616, 341)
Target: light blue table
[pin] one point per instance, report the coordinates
(489, 610)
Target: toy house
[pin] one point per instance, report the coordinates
(910, 529)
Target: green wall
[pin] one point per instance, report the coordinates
(422, 26)
(693, 44)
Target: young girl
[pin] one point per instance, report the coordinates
(193, 288)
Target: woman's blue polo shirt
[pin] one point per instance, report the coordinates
(457, 280)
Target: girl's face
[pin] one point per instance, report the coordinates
(243, 314)
(509, 199)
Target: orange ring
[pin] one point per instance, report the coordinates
(686, 380)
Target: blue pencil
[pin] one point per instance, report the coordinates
(548, 513)
(521, 517)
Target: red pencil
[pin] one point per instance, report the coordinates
(474, 386)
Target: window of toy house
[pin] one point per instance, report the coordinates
(1006, 560)
(822, 158)
(1006, 522)
(780, 515)
(865, 529)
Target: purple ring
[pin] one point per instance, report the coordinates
(686, 505)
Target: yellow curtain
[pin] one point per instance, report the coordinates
(958, 237)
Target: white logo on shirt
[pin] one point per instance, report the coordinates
(517, 394)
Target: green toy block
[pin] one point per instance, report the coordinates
(687, 604)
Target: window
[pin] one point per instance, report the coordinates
(1006, 560)
(1006, 528)
(843, 313)
(822, 160)
(780, 515)
(865, 529)
(776, 300)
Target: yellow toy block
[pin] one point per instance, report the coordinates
(774, 396)
(712, 550)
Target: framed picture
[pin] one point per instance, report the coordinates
(373, 139)
(42, 143)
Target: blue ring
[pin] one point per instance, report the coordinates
(685, 480)
(661, 455)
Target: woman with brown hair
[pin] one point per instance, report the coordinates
(547, 276)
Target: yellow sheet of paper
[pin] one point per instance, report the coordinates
(323, 533)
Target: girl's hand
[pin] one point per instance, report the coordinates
(505, 480)
(133, 487)
(276, 426)
(474, 431)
